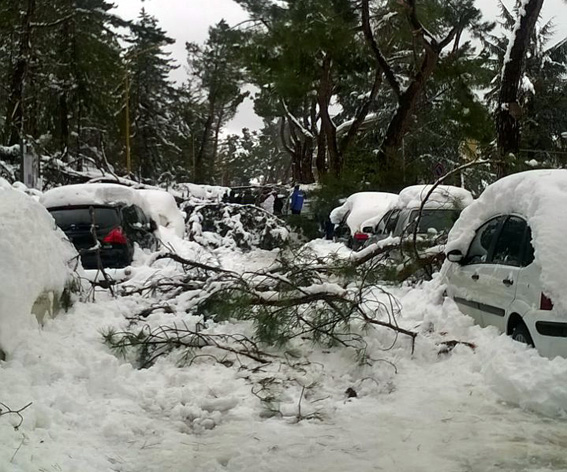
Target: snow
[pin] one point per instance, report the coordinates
(538, 196)
(33, 260)
(91, 194)
(362, 206)
(189, 191)
(497, 407)
(163, 210)
(444, 196)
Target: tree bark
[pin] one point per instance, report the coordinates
(509, 111)
(329, 129)
(15, 110)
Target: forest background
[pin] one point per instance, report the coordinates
(352, 94)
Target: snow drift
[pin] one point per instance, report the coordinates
(33, 260)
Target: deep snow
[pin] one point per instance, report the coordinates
(499, 407)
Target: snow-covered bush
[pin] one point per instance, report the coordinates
(243, 226)
(35, 259)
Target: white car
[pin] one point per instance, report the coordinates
(440, 211)
(356, 211)
(507, 259)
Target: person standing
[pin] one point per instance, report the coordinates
(297, 198)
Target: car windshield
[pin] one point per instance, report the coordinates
(438, 220)
(79, 217)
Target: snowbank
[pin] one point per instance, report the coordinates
(362, 206)
(444, 196)
(33, 260)
(539, 196)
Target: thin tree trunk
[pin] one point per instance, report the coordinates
(15, 110)
(509, 111)
(327, 126)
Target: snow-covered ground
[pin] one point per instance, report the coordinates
(498, 407)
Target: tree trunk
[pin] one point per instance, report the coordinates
(509, 111)
(402, 119)
(15, 110)
(328, 128)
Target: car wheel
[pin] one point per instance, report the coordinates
(522, 335)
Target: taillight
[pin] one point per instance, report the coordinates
(360, 236)
(116, 236)
(545, 303)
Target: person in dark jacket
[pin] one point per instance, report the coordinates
(297, 198)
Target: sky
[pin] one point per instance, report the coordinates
(189, 20)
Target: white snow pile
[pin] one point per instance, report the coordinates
(190, 191)
(362, 206)
(234, 226)
(34, 257)
(539, 196)
(163, 210)
(443, 196)
(91, 410)
(91, 194)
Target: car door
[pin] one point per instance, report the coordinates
(500, 277)
(467, 281)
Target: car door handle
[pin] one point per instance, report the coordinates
(475, 277)
(508, 282)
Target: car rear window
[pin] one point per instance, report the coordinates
(71, 218)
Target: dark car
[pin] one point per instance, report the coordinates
(109, 229)
(117, 229)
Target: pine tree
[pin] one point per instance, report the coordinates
(150, 95)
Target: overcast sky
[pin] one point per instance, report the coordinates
(189, 20)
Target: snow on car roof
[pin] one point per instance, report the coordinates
(91, 194)
(539, 196)
(362, 206)
(444, 196)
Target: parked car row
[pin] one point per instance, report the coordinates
(369, 217)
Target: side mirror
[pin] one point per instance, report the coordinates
(368, 229)
(455, 256)
(153, 225)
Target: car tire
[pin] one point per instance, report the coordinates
(521, 334)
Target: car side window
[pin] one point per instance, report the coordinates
(130, 216)
(141, 216)
(392, 222)
(480, 245)
(528, 257)
(381, 226)
(508, 248)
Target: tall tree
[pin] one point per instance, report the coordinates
(217, 75)
(509, 111)
(150, 94)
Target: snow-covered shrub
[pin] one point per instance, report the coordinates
(35, 259)
(231, 225)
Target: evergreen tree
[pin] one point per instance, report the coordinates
(217, 80)
(150, 94)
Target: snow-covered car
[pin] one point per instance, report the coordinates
(507, 259)
(439, 213)
(36, 264)
(103, 221)
(357, 212)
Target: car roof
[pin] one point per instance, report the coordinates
(91, 194)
